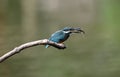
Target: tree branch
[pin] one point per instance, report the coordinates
(30, 44)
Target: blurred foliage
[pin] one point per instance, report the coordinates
(13, 12)
(95, 54)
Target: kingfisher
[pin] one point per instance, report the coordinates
(62, 35)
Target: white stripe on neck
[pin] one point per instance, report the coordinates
(66, 31)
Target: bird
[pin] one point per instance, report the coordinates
(62, 35)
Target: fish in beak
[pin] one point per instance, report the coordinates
(77, 30)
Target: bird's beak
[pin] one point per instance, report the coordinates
(77, 30)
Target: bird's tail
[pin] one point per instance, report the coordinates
(47, 46)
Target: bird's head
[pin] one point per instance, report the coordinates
(72, 30)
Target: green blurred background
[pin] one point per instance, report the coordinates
(95, 54)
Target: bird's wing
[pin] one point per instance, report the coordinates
(56, 36)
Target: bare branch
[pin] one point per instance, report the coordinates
(30, 44)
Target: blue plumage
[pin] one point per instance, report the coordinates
(62, 35)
